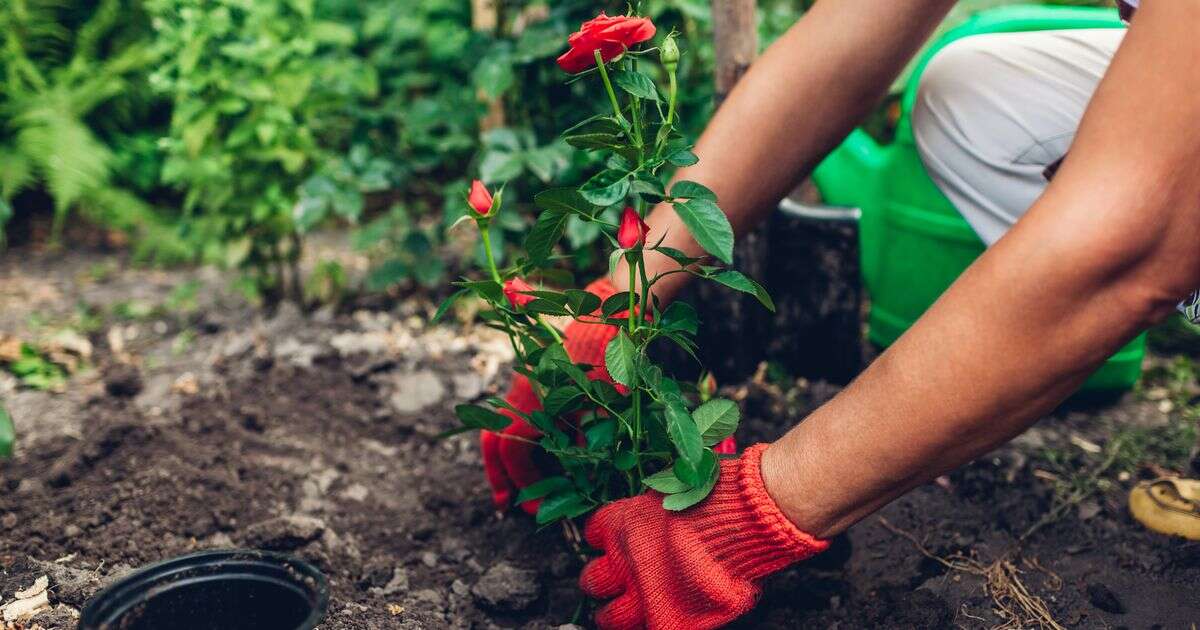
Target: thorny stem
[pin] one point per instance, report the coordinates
(612, 96)
(635, 264)
(551, 329)
(487, 248)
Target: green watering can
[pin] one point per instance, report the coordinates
(913, 242)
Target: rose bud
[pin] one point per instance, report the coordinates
(612, 36)
(668, 53)
(514, 290)
(632, 232)
(480, 199)
(707, 386)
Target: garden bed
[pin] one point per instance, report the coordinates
(314, 434)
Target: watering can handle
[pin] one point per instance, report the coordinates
(849, 175)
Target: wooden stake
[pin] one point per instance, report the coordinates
(735, 30)
(485, 18)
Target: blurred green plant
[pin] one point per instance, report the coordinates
(73, 87)
(7, 433)
(250, 83)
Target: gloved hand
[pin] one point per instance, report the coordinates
(508, 455)
(695, 569)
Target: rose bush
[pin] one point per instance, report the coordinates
(590, 396)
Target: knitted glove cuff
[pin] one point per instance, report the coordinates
(744, 528)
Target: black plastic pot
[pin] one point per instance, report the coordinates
(238, 589)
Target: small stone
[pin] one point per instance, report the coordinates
(430, 596)
(467, 386)
(285, 533)
(507, 588)
(398, 583)
(429, 559)
(1105, 599)
(8, 521)
(72, 531)
(460, 587)
(415, 391)
(355, 492)
(294, 352)
(1089, 510)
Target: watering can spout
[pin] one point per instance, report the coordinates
(849, 175)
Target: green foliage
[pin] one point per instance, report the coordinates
(250, 84)
(36, 370)
(7, 433)
(72, 81)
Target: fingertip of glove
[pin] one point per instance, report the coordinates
(622, 613)
(599, 580)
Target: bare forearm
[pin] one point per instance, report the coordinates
(1105, 252)
(795, 104)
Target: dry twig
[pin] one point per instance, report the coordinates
(1012, 600)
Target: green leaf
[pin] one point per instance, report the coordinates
(477, 417)
(738, 280)
(680, 316)
(678, 256)
(685, 500)
(385, 275)
(493, 75)
(717, 419)
(582, 302)
(708, 226)
(617, 303)
(648, 186)
(691, 190)
(606, 188)
(695, 477)
(446, 304)
(600, 434)
(683, 157)
(637, 84)
(543, 488)
(684, 433)
(563, 504)
(546, 307)
(620, 357)
(539, 243)
(7, 433)
(665, 482)
(625, 460)
(500, 166)
(563, 200)
(486, 289)
(560, 400)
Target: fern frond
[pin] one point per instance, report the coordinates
(16, 172)
(65, 152)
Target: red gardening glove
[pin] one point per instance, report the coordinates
(695, 569)
(508, 463)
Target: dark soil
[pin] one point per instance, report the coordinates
(288, 444)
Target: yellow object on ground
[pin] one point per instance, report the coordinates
(1168, 505)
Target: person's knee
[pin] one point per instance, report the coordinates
(951, 97)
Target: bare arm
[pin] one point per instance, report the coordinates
(791, 108)
(1106, 251)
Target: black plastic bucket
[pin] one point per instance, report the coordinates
(237, 589)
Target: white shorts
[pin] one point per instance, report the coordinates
(994, 111)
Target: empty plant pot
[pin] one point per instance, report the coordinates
(213, 590)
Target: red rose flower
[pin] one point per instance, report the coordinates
(514, 290)
(612, 36)
(633, 229)
(480, 199)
